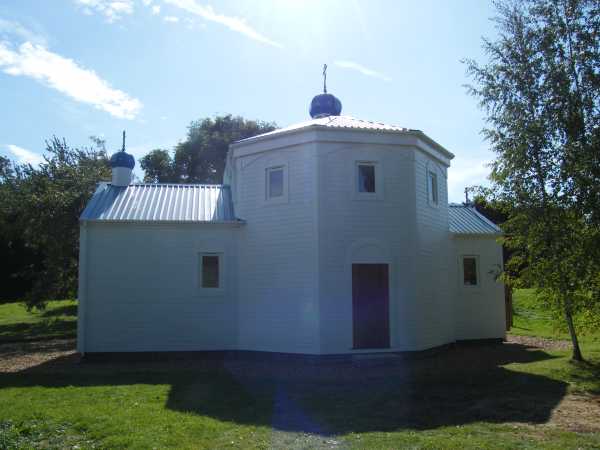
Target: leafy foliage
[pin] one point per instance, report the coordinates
(40, 211)
(158, 167)
(540, 91)
(201, 157)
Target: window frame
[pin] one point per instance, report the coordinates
(378, 182)
(284, 195)
(433, 200)
(477, 272)
(220, 267)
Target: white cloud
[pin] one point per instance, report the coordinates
(236, 24)
(147, 2)
(64, 75)
(16, 29)
(171, 19)
(112, 10)
(466, 172)
(155, 9)
(362, 69)
(25, 156)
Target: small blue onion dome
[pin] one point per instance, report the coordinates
(122, 159)
(324, 105)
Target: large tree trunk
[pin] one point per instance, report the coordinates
(569, 318)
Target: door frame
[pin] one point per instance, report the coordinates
(370, 251)
(387, 308)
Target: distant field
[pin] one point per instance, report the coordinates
(58, 320)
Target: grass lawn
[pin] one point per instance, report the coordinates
(58, 320)
(530, 319)
(497, 396)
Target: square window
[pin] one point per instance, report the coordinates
(432, 187)
(210, 271)
(275, 182)
(470, 271)
(366, 178)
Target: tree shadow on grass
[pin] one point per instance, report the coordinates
(66, 310)
(45, 329)
(586, 372)
(460, 386)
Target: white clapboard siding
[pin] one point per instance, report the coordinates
(287, 263)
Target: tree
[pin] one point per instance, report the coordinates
(201, 157)
(41, 207)
(158, 167)
(540, 91)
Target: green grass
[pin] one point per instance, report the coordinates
(58, 320)
(531, 319)
(496, 397)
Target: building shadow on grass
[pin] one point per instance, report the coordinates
(462, 385)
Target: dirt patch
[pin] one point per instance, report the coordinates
(531, 341)
(579, 413)
(19, 356)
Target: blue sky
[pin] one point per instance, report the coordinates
(77, 68)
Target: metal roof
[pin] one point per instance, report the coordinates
(466, 220)
(193, 203)
(343, 123)
(333, 122)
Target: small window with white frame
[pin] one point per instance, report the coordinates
(211, 271)
(432, 188)
(275, 183)
(470, 270)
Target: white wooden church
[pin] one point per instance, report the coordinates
(331, 236)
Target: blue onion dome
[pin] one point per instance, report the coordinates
(324, 105)
(122, 159)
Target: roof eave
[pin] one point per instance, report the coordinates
(238, 222)
(409, 132)
(466, 234)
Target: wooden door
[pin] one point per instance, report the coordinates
(370, 306)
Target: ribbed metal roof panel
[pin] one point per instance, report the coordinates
(160, 203)
(466, 220)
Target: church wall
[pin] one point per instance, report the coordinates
(434, 296)
(277, 266)
(353, 229)
(143, 291)
(480, 310)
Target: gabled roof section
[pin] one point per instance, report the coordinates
(347, 123)
(181, 203)
(466, 220)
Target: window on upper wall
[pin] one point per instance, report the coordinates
(210, 270)
(470, 271)
(366, 178)
(275, 183)
(432, 187)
